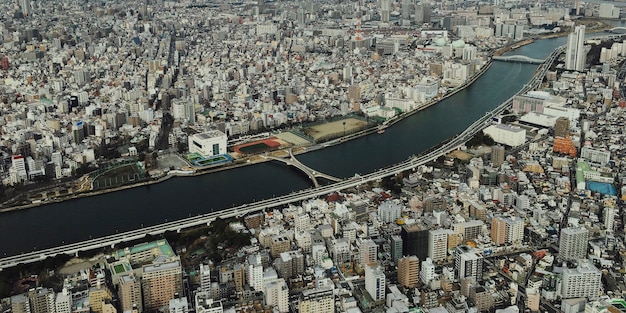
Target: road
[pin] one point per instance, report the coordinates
(409, 164)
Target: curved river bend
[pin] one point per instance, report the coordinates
(75, 220)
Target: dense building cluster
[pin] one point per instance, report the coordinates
(531, 223)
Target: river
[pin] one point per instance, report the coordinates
(79, 219)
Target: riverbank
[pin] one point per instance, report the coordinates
(255, 160)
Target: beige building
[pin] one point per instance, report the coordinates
(161, 281)
(317, 300)
(279, 245)
(98, 296)
(498, 230)
(408, 271)
(129, 293)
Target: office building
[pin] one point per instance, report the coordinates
(582, 281)
(160, 282)
(385, 10)
(408, 271)
(317, 300)
(415, 240)
(497, 155)
(438, 244)
(468, 263)
(289, 264)
(396, 248)
(573, 243)
(277, 295)
(129, 293)
(575, 54)
(208, 143)
(375, 282)
(561, 127)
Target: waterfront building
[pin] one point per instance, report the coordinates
(575, 55)
(208, 143)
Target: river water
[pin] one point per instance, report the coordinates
(75, 220)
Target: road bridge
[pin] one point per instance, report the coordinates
(205, 219)
(311, 173)
(519, 58)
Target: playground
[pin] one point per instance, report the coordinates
(335, 129)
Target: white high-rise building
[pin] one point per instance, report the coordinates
(581, 282)
(608, 218)
(205, 278)
(468, 263)
(375, 282)
(19, 165)
(427, 272)
(514, 229)
(573, 243)
(575, 55)
(385, 10)
(277, 295)
(63, 302)
(255, 272)
(438, 244)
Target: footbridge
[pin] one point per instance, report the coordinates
(519, 58)
(311, 173)
(619, 30)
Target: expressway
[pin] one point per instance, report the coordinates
(178, 225)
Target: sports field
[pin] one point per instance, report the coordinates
(258, 146)
(335, 129)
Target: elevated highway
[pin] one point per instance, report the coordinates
(409, 164)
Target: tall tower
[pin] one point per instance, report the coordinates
(573, 243)
(577, 7)
(385, 10)
(575, 55)
(358, 36)
(408, 271)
